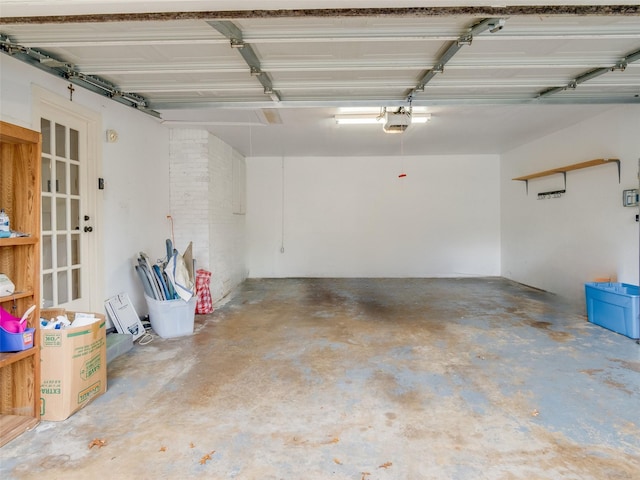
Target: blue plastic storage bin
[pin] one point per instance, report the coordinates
(614, 306)
(16, 342)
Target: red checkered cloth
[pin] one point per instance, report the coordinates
(205, 304)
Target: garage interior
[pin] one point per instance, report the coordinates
(395, 299)
(360, 378)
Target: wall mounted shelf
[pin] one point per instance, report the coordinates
(568, 168)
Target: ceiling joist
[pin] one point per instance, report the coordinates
(591, 74)
(234, 34)
(491, 24)
(60, 68)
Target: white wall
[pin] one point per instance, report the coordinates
(135, 169)
(136, 201)
(189, 191)
(354, 217)
(559, 244)
(227, 227)
(202, 206)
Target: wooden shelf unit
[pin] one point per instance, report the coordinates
(569, 168)
(20, 166)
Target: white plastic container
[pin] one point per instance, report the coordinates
(172, 318)
(4, 221)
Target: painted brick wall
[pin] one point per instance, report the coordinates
(201, 180)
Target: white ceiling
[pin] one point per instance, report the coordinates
(486, 100)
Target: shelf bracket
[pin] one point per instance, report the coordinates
(618, 162)
(564, 175)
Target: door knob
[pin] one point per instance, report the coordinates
(88, 229)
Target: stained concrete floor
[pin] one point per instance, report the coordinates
(360, 379)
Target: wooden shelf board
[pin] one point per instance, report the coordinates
(568, 168)
(14, 134)
(12, 426)
(16, 296)
(7, 358)
(12, 242)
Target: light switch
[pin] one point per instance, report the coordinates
(630, 198)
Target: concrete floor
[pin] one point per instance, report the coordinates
(361, 379)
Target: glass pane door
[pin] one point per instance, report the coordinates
(62, 246)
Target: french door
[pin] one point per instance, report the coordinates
(69, 241)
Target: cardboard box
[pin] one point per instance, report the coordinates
(73, 366)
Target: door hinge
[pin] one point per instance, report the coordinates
(100, 183)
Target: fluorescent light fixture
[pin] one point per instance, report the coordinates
(369, 119)
(420, 118)
(376, 110)
(358, 119)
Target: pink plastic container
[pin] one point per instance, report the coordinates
(10, 323)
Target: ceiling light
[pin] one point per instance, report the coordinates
(392, 120)
(377, 110)
(369, 119)
(420, 118)
(358, 119)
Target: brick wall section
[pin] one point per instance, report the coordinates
(201, 204)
